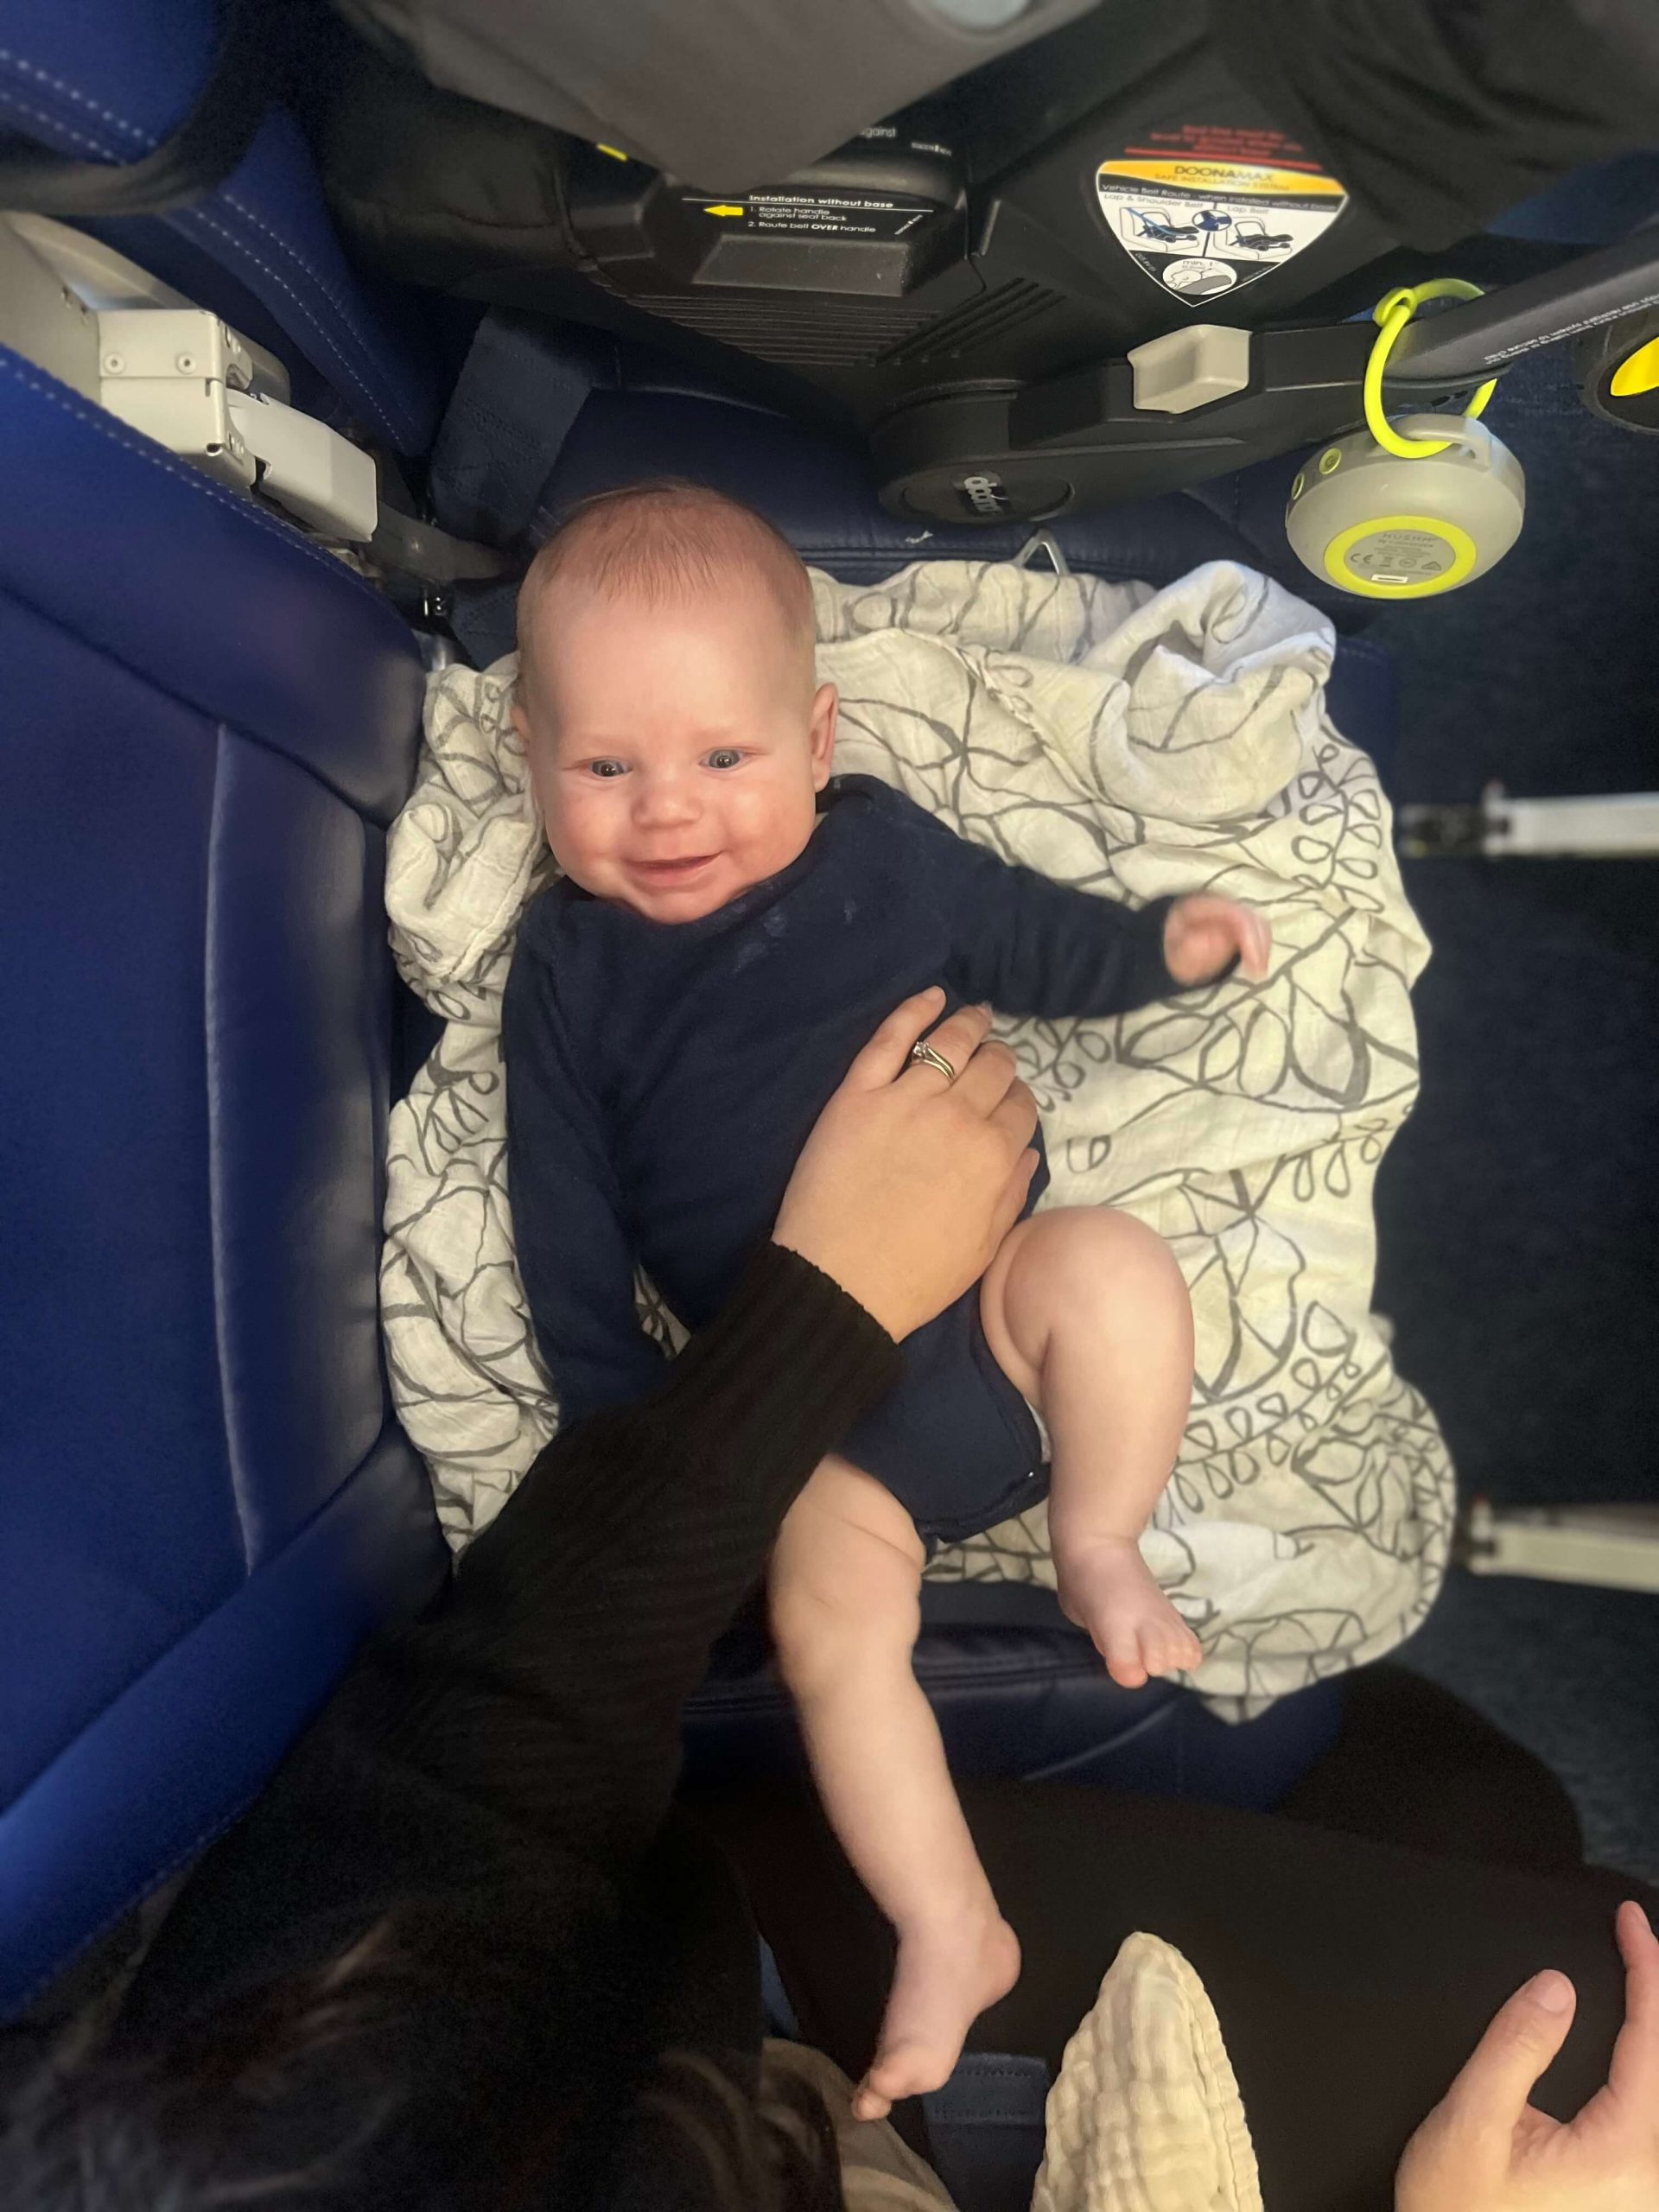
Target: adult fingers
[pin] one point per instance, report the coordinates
(957, 1041)
(1490, 2094)
(987, 1079)
(884, 1057)
(1012, 1203)
(1635, 2070)
(1015, 1116)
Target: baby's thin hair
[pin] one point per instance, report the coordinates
(664, 541)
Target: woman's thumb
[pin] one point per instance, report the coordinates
(1524, 2035)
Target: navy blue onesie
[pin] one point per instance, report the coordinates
(662, 1077)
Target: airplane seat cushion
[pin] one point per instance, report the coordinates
(108, 81)
(205, 1500)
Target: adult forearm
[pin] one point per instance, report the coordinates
(582, 1618)
(699, 1473)
(506, 1759)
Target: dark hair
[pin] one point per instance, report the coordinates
(367, 2085)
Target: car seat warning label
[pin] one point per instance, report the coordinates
(821, 215)
(1206, 211)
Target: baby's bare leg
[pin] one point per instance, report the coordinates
(845, 1611)
(1087, 1314)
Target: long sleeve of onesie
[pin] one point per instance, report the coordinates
(1029, 945)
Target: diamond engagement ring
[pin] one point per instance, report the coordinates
(924, 1055)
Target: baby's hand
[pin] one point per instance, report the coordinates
(1203, 934)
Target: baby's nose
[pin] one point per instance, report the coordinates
(664, 798)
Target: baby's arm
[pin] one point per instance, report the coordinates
(574, 1252)
(1029, 945)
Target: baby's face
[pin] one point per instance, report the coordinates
(677, 751)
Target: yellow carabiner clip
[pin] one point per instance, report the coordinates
(1392, 314)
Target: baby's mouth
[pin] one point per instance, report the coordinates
(674, 871)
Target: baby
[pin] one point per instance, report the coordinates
(732, 925)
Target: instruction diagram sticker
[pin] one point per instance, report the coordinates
(1202, 220)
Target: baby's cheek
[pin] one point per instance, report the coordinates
(573, 835)
(779, 824)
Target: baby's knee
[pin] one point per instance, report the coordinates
(1130, 1250)
(1100, 1272)
(1088, 1253)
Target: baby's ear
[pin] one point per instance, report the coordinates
(826, 705)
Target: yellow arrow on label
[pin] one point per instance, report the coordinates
(722, 210)
(1639, 372)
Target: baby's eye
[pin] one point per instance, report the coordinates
(606, 768)
(725, 756)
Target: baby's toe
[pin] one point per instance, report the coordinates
(906, 2071)
(1125, 1655)
(868, 2103)
(1167, 1650)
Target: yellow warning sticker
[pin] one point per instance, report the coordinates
(1233, 178)
(1200, 223)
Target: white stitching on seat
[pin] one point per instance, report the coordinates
(57, 84)
(54, 123)
(106, 426)
(287, 246)
(20, 106)
(197, 216)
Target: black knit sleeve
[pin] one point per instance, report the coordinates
(513, 1752)
(584, 1615)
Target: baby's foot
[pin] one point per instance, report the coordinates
(1106, 1588)
(950, 1969)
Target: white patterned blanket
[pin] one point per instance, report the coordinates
(1136, 742)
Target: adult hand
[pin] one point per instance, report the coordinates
(1484, 2148)
(1202, 934)
(911, 1179)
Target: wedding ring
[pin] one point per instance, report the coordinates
(924, 1056)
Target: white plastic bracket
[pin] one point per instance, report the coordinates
(1623, 825)
(1189, 368)
(1616, 1547)
(169, 372)
(122, 339)
(179, 375)
(185, 379)
(319, 478)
